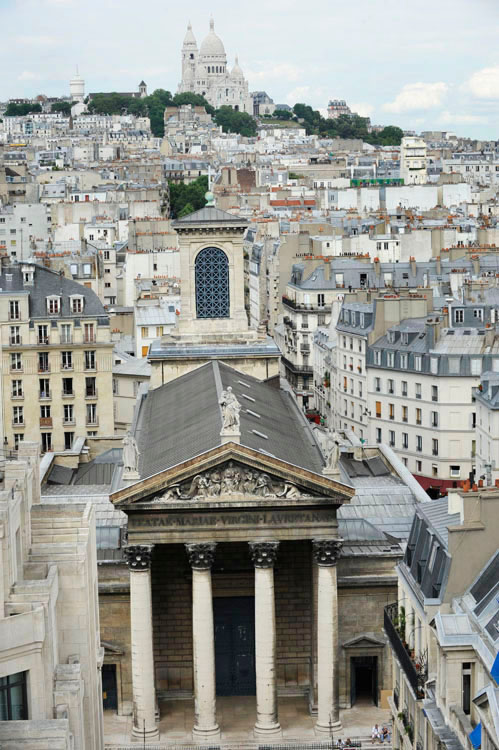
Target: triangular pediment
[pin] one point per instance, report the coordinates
(364, 640)
(231, 473)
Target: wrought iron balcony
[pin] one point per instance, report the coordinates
(414, 667)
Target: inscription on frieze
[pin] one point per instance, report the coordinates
(228, 520)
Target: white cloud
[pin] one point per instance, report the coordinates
(461, 119)
(41, 40)
(299, 94)
(418, 96)
(484, 84)
(362, 108)
(28, 75)
(279, 71)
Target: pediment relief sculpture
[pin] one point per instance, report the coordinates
(231, 481)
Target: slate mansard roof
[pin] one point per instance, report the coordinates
(182, 419)
(49, 283)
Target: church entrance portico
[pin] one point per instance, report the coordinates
(220, 593)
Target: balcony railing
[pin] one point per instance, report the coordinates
(44, 395)
(15, 340)
(43, 367)
(91, 393)
(45, 421)
(89, 338)
(415, 669)
(68, 394)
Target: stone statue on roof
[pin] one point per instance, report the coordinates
(230, 410)
(130, 456)
(333, 452)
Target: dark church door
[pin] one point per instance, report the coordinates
(364, 680)
(235, 645)
(109, 689)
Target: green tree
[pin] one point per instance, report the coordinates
(192, 195)
(187, 209)
(233, 121)
(188, 97)
(282, 114)
(19, 110)
(63, 107)
(389, 136)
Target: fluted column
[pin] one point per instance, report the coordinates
(201, 557)
(326, 553)
(144, 694)
(264, 555)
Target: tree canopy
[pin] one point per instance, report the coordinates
(19, 110)
(233, 121)
(63, 107)
(344, 126)
(152, 106)
(184, 199)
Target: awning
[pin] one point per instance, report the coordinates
(495, 669)
(476, 736)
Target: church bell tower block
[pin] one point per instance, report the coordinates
(213, 323)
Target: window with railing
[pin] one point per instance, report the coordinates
(14, 310)
(16, 362)
(43, 362)
(15, 336)
(90, 360)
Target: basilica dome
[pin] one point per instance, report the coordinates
(212, 45)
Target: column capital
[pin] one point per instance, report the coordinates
(326, 551)
(138, 556)
(263, 554)
(201, 556)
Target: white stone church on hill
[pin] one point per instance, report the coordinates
(206, 72)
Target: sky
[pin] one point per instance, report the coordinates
(426, 65)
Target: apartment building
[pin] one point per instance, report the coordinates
(57, 359)
(413, 166)
(365, 316)
(422, 375)
(307, 305)
(50, 651)
(442, 630)
(21, 225)
(486, 397)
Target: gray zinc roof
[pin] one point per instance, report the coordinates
(182, 419)
(48, 283)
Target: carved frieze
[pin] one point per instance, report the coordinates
(326, 551)
(229, 481)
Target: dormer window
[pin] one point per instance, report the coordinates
(405, 338)
(391, 337)
(53, 305)
(76, 304)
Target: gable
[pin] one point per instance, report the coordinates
(232, 473)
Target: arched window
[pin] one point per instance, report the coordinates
(212, 284)
(209, 69)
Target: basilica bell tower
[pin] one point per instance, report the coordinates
(213, 323)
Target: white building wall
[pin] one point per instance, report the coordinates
(454, 409)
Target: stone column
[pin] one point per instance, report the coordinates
(264, 555)
(326, 553)
(144, 693)
(201, 558)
